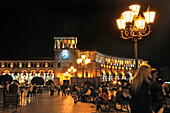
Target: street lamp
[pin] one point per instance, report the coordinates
(66, 74)
(72, 70)
(133, 26)
(82, 62)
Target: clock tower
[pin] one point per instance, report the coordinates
(65, 55)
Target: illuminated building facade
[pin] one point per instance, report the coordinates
(101, 68)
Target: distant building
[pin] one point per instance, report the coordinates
(101, 68)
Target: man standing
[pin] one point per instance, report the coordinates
(13, 88)
(64, 87)
(59, 88)
(158, 101)
(34, 91)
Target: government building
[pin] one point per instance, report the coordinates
(70, 65)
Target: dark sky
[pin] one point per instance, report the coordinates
(29, 26)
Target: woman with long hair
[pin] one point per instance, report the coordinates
(141, 100)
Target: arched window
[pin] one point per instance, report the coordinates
(33, 72)
(50, 72)
(59, 65)
(6, 72)
(24, 72)
(41, 72)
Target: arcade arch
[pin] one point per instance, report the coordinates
(6, 72)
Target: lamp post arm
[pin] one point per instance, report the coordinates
(146, 31)
(123, 33)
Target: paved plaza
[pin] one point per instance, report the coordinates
(57, 104)
(46, 104)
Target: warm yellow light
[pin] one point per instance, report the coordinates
(135, 8)
(115, 61)
(106, 66)
(140, 23)
(121, 23)
(128, 15)
(69, 70)
(119, 83)
(79, 61)
(116, 73)
(87, 61)
(20, 64)
(12, 65)
(72, 67)
(74, 70)
(119, 67)
(83, 56)
(79, 75)
(113, 67)
(123, 74)
(149, 16)
(104, 72)
(22, 81)
(114, 82)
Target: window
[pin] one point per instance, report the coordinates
(59, 65)
(51, 64)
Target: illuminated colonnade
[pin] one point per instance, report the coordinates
(26, 70)
(29, 76)
(115, 67)
(65, 42)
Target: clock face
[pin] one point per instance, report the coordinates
(64, 54)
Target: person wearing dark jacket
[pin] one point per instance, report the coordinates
(52, 89)
(34, 90)
(140, 101)
(158, 100)
(13, 88)
(74, 87)
(64, 87)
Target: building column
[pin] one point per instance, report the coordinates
(55, 44)
(71, 44)
(66, 44)
(75, 43)
(62, 43)
(58, 44)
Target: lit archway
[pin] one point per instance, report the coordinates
(33, 72)
(41, 72)
(24, 72)
(6, 72)
(50, 72)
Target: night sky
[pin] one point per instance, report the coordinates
(29, 26)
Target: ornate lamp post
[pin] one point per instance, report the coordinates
(82, 62)
(66, 74)
(72, 70)
(133, 26)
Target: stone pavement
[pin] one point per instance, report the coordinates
(57, 104)
(46, 104)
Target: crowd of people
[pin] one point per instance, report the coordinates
(145, 94)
